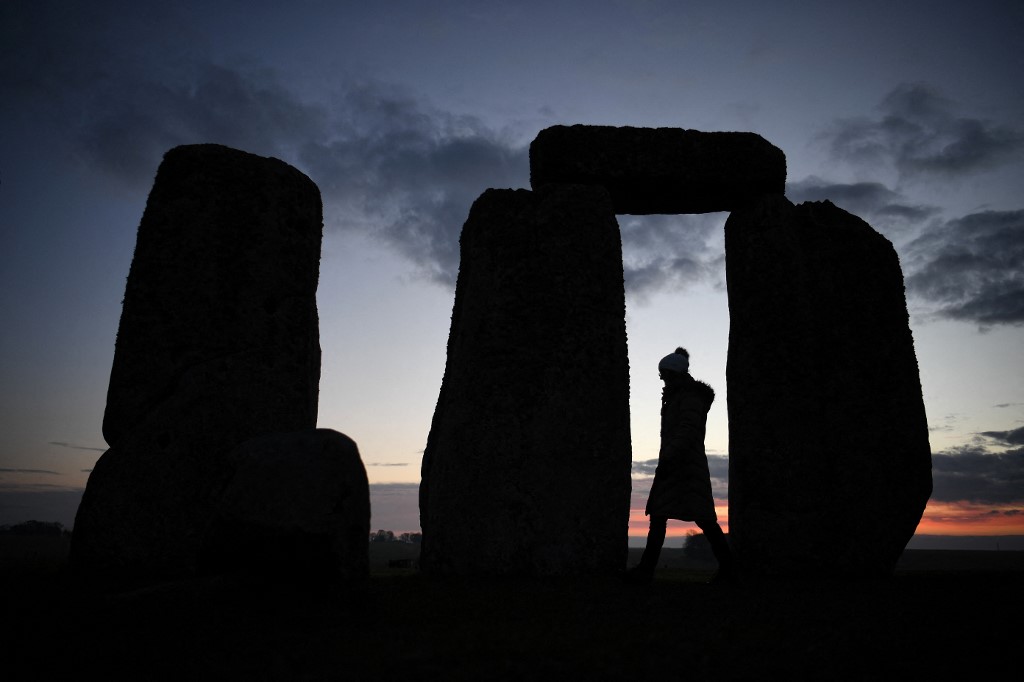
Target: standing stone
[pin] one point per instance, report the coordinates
(660, 170)
(829, 460)
(527, 465)
(218, 342)
(297, 508)
(221, 296)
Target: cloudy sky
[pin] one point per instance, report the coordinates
(909, 114)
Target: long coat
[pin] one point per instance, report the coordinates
(682, 481)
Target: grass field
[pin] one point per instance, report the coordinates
(939, 617)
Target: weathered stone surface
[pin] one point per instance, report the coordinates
(218, 342)
(297, 507)
(146, 505)
(220, 303)
(830, 465)
(660, 170)
(527, 465)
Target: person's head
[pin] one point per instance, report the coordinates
(674, 365)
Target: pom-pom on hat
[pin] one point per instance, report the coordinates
(678, 362)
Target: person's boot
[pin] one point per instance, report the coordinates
(726, 573)
(643, 572)
(639, 575)
(724, 576)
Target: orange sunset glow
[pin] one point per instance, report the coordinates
(969, 518)
(940, 518)
(638, 521)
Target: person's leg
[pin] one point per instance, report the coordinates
(720, 547)
(655, 541)
(644, 571)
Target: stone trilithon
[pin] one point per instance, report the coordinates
(526, 468)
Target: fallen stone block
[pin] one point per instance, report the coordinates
(297, 508)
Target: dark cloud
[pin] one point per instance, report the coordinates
(972, 268)
(1012, 437)
(948, 423)
(645, 467)
(116, 88)
(29, 471)
(973, 473)
(408, 173)
(386, 161)
(75, 447)
(671, 253)
(128, 129)
(919, 134)
(872, 201)
(718, 466)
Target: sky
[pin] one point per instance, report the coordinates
(908, 114)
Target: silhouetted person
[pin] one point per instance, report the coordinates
(682, 481)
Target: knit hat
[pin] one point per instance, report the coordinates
(675, 362)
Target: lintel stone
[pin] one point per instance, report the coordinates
(660, 170)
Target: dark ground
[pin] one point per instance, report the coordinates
(940, 617)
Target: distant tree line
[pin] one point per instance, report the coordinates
(388, 536)
(46, 528)
(696, 546)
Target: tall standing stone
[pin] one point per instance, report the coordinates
(829, 460)
(221, 295)
(218, 342)
(527, 465)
